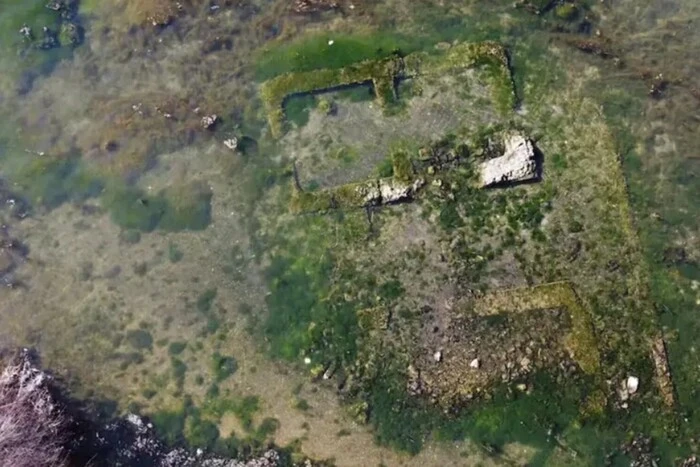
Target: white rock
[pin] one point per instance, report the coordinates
(525, 363)
(231, 143)
(517, 164)
(307, 361)
(437, 356)
(208, 121)
(393, 191)
(475, 364)
(632, 384)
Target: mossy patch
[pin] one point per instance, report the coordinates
(50, 181)
(223, 366)
(140, 339)
(176, 348)
(188, 207)
(383, 74)
(177, 208)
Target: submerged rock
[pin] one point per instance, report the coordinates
(517, 164)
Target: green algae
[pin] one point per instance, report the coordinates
(315, 52)
(140, 339)
(176, 348)
(223, 366)
(566, 11)
(51, 181)
(384, 73)
(131, 208)
(188, 207)
(175, 209)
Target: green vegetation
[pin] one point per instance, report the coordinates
(200, 433)
(50, 181)
(301, 404)
(402, 169)
(206, 300)
(179, 371)
(170, 425)
(140, 339)
(566, 11)
(130, 237)
(20, 53)
(298, 108)
(243, 408)
(176, 348)
(274, 92)
(174, 253)
(174, 209)
(312, 53)
(384, 72)
(131, 208)
(188, 207)
(222, 366)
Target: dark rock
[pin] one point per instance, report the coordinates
(50, 428)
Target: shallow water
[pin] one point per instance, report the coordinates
(156, 269)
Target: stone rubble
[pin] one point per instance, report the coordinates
(517, 164)
(393, 191)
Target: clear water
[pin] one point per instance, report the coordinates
(149, 263)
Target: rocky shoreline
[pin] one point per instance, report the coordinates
(41, 426)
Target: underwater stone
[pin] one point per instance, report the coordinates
(517, 164)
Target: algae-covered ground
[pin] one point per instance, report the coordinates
(161, 269)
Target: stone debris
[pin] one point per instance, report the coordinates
(517, 164)
(632, 384)
(393, 191)
(231, 143)
(209, 121)
(313, 6)
(475, 364)
(437, 356)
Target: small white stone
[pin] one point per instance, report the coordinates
(632, 384)
(522, 387)
(475, 364)
(231, 143)
(331, 42)
(437, 356)
(307, 361)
